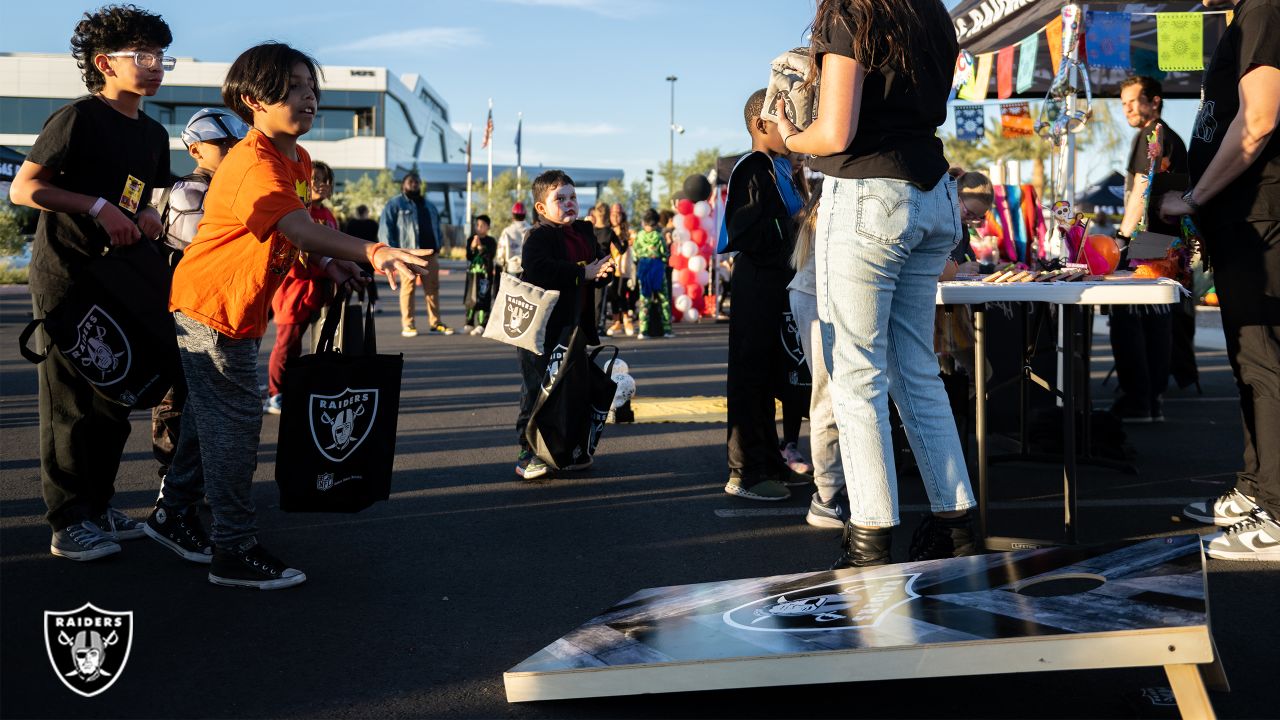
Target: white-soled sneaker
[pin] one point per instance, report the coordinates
(828, 515)
(1256, 538)
(82, 541)
(1225, 510)
(118, 526)
(252, 567)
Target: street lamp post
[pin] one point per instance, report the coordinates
(671, 157)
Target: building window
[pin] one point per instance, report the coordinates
(364, 120)
(26, 116)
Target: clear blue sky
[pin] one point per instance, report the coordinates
(589, 75)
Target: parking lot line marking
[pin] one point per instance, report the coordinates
(1009, 505)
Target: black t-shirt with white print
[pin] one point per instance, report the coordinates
(1255, 195)
(900, 114)
(94, 150)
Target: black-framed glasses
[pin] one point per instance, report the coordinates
(147, 60)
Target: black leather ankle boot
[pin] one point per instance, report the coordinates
(938, 538)
(863, 547)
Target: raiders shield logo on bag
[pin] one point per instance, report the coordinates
(88, 647)
(839, 605)
(339, 423)
(101, 348)
(519, 316)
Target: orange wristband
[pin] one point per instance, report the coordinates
(372, 249)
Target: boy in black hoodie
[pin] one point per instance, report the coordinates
(759, 228)
(560, 253)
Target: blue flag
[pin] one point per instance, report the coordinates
(1107, 39)
(971, 123)
(519, 126)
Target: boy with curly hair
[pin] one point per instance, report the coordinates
(92, 173)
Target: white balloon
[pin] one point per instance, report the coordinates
(683, 303)
(680, 236)
(703, 277)
(688, 248)
(620, 366)
(697, 263)
(626, 389)
(692, 315)
(676, 289)
(702, 208)
(709, 224)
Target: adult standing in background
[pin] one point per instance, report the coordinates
(511, 242)
(365, 228)
(623, 287)
(1142, 335)
(1235, 200)
(886, 225)
(410, 222)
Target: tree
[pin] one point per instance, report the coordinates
(371, 190)
(504, 196)
(12, 241)
(634, 198)
(703, 161)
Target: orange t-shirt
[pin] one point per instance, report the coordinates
(238, 258)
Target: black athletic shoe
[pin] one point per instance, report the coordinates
(252, 567)
(938, 538)
(181, 532)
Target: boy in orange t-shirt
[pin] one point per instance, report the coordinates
(255, 228)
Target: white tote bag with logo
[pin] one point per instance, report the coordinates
(520, 314)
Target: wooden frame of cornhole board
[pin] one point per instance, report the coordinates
(963, 616)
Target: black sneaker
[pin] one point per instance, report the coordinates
(118, 526)
(252, 567)
(82, 541)
(938, 538)
(181, 532)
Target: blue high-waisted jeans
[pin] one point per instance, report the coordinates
(880, 247)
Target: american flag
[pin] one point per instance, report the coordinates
(488, 130)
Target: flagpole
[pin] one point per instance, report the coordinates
(488, 196)
(469, 176)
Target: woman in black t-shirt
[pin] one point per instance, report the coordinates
(888, 221)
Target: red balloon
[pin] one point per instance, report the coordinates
(688, 278)
(695, 295)
(1101, 253)
(706, 252)
(690, 223)
(679, 262)
(684, 207)
(698, 236)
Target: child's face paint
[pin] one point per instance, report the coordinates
(560, 206)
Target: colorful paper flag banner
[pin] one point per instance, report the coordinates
(976, 89)
(1027, 51)
(1180, 41)
(1004, 73)
(963, 73)
(1107, 39)
(971, 123)
(1015, 119)
(1053, 34)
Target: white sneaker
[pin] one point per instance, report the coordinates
(1224, 511)
(409, 332)
(1256, 538)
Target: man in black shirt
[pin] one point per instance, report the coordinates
(1142, 335)
(1235, 200)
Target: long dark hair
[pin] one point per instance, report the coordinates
(884, 32)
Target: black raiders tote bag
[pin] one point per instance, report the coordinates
(338, 423)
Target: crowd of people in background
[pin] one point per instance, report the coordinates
(836, 235)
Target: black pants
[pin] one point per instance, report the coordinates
(1182, 359)
(1246, 272)
(82, 436)
(756, 370)
(532, 369)
(1141, 340)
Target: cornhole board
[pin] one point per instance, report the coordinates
(1130, 604)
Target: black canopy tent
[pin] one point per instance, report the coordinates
(987, 26)
(1106, 193)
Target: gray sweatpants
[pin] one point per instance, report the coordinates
(217, 450)
(824, 438)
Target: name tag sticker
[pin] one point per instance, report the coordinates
(131, 197)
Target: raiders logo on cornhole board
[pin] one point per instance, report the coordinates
(88, 647)
(341, 422)
(101, 349)
(1131, 604)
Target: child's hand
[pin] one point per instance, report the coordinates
(394, 261)
(346, 274)
(119, 227)
(149, 223)
(600, 268)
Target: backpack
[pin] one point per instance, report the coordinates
(168, 217)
